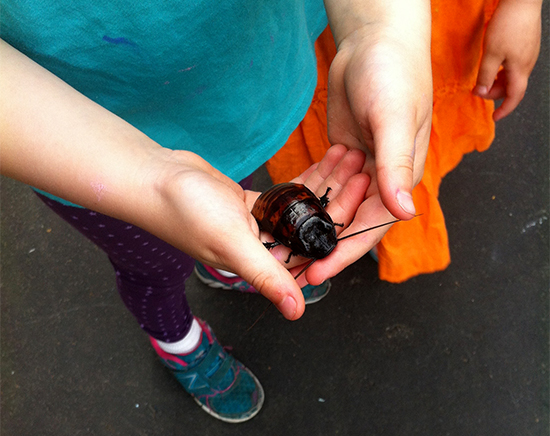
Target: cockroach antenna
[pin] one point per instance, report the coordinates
(349, 236)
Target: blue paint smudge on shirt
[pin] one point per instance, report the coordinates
(120, 40)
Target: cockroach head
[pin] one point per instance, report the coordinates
(318, 238)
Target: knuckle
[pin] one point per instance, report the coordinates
(262, 281)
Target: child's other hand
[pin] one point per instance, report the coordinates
(512, 41)
(380, 95)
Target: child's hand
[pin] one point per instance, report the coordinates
(380, 92)
(339, 170)
(208, 216)
(513, 42)
(57, 140)
(380, 101)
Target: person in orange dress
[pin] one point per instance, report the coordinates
(482, 50)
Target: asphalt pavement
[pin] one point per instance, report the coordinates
(460, 352)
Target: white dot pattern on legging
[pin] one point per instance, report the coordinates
(150, 273)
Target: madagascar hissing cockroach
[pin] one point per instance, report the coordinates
(297, 219)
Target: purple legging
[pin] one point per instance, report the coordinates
(150, 273)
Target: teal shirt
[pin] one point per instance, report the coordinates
(227, 80)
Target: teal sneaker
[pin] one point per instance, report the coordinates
(214, 279)
(374, 253)
(221, 385)
(312, 294)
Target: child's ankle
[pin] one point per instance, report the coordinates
(185, 345)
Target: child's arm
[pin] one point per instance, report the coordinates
(513, 42)
(56, 139)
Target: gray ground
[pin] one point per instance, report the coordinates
(461, 352)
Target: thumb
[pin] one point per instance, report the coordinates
(487, 73)
(255, 264)
(395, 151)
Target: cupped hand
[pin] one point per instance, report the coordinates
(339, 170)
(380, 101)
(207, 215)
(354, 201)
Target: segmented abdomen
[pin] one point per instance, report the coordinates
(280, 209)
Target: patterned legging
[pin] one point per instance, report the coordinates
(150, 273)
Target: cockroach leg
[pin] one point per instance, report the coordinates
(289, 256)
(270, 245)
(324, 199)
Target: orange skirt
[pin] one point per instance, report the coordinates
(461, 124)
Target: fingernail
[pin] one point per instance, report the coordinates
(288, 307)
(405, 200)
(481, 90)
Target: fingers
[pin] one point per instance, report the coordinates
(251, 261)
(514, 90)
(239, 250)
(318, 172)
(509, 85)
(511, 47)
(336, 177)
(343, 207)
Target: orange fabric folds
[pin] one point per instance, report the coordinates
(461, 124)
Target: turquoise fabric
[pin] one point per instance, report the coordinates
(227, 80)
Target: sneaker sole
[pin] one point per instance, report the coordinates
(261, 396)
(320, 297)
